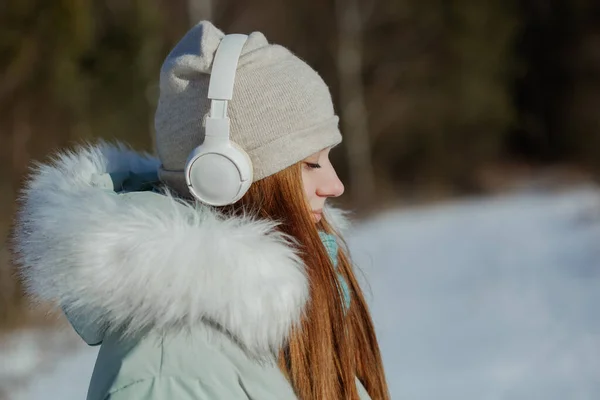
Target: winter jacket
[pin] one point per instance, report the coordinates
(185, 303)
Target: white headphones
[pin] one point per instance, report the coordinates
(219, 172)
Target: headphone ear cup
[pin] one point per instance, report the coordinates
(245, 168)
(218, 175)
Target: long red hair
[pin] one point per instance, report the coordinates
(331, 347)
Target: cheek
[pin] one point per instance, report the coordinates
(309, 186)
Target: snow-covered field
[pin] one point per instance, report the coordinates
(483, 299)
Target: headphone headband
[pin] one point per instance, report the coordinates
(218, 172)
(222, 75)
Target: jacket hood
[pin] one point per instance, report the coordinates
(146, 260)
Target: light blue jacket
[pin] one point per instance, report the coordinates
(186, 304)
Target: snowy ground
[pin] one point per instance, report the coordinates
(493, 299)
(487, 299)
(45, 364)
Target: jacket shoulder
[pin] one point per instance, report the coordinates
(178, 387)
(161, 362)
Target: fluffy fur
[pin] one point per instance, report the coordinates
(146, 260)
(338, 218)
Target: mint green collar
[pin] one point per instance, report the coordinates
(332, 247)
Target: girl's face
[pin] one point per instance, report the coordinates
(320, 182)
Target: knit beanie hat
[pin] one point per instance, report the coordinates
(281, 111)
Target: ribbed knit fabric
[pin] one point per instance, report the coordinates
(281, 111)
(332, 247)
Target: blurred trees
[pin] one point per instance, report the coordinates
(71, 70)
(447, 87)
(351, 21)
(438, 75)
(558, 89)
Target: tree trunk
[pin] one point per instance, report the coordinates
(353, 109)
(199, 10)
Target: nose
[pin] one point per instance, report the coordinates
(331, 186)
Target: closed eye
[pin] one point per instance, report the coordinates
(312, 165)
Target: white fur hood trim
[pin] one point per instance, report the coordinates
(128, 262)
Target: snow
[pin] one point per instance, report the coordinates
(20, 356)
(490, 299)
(45, 364)
(68, 379)
(480, 299)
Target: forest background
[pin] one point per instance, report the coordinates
(437, 99)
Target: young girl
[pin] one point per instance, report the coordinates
(227, 280)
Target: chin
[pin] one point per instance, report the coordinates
(317, 217)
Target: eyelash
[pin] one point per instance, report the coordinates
(312, 165)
